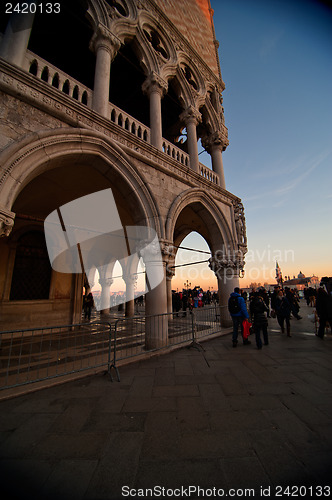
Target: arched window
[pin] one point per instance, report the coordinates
(85, 97)
(55, 81)
(33, 68)
(45, 74)
(75, 93)
(66, 87)
(32, 270)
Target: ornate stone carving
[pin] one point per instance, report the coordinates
(117, 10)
(104, 38)
(154, 83)
(240, 224)
(6, 222)
(130, 279)
(191, 114)
(227, 264)
(156, 42)
(105, 282)
(217, 139)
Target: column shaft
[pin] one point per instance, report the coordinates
(100, 100)
(105, 297)
(226, 285)
(192, 144)
(155, 119)
(130, 296)
(156, 332)
(16, 38)
(217, 164)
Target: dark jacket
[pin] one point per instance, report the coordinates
(258, 308)
(324, 304)
(243, 309)
(283, 307)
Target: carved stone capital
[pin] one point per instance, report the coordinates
(167, 249)
(130, 279)
(149, 250)
(170, 273)
(216, 140)
(154, 83)
(191, 114)
(105, 282)
(104, 38)
(227, 264)
(6, 222)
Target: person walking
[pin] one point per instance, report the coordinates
(294, 302)
(274, 296)
(258, 308)
(88, 306)
(324, 311)
(283, 311)
(238, 311)
(265, 296)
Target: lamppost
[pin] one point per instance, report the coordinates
(187, 285)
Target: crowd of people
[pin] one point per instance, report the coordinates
(192, 298)
(282, 304)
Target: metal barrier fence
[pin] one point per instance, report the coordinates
(138, 335)
(38, 354)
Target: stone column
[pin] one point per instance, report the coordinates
(105, 298)
(170, 273)
(227, 273)
(191, 117)
(106, 46)
(130, 294)
(156, 326)
(16, 38)
(155, 87)
(215, 144)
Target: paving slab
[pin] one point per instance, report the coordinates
(222, 418)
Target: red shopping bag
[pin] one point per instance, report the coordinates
(246, 328)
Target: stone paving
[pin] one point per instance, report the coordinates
(221, 418)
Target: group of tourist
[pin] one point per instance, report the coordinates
(281, 304)
(190, 299)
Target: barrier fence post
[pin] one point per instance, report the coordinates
(194, 342)
(109, 364)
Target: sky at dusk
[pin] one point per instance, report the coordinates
(276, 62)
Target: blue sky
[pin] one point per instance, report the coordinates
(276, 62)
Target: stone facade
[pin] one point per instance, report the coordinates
(61, 139)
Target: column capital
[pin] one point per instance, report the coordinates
(104, 38)
(217, 140)
(170, 273)
(130, 279)
(154, 83)
(6, 222)
(167, 249)
(149, 250)
(105, 281)
(191, 115)
(227, 264)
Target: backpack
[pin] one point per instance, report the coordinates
(233, 305)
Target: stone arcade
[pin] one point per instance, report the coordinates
(112, 94)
